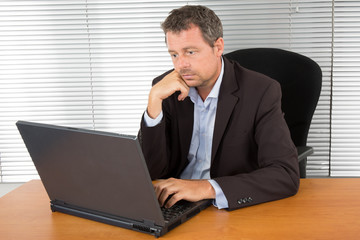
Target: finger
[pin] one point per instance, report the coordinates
(163, 191)
(183, 88)
(158, 189)
(172, 200)
(183, 94)
(163, 196)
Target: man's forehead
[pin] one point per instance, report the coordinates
(186, 39)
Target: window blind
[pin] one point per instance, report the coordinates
(345, 127)
(89, 64)
(44, 74)
(311, 35)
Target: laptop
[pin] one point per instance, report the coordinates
(100, 176)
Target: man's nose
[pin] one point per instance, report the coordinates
(183, 62)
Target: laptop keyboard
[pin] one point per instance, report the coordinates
(176, 210)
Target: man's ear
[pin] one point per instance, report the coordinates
(219, 46)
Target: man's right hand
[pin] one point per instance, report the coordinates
(164, 89)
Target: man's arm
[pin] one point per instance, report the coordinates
(170, 84)
(277, 173)
(153, 133)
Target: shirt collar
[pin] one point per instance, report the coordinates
(193, 94)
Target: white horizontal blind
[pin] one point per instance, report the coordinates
(345, 147)
(90, 63)
(44, 74)
(127, 51)
(311, 35)
(253, 23)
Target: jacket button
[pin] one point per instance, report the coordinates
(244, 200)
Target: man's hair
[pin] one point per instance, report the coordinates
(183, 18)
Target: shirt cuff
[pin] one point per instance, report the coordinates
(150, 122)
(220, 201)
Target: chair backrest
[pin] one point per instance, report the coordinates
(300, 79)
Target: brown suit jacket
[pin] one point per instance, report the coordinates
(253, 157)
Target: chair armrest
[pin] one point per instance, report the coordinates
(304, 152)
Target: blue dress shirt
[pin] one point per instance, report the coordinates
(201, 143)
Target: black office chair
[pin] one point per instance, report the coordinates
(300, 79)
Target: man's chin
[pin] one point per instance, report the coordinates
(192, 83)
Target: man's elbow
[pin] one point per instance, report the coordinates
(294, 182)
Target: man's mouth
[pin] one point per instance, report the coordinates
(187, 76)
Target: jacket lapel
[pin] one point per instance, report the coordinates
(186, 122)
(226, 104)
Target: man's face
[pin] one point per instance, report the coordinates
(194, 59)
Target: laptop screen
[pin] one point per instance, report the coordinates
(105, 172)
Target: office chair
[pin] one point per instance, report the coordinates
(300, 79)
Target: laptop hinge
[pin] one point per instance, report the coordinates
(58, 202)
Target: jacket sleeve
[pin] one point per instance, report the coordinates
(277, 172)
(155, 142)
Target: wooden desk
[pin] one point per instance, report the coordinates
(323, 209)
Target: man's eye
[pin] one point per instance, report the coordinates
(174, 55)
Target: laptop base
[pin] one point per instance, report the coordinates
(115, 221)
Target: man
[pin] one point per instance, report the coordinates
(213, 129)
